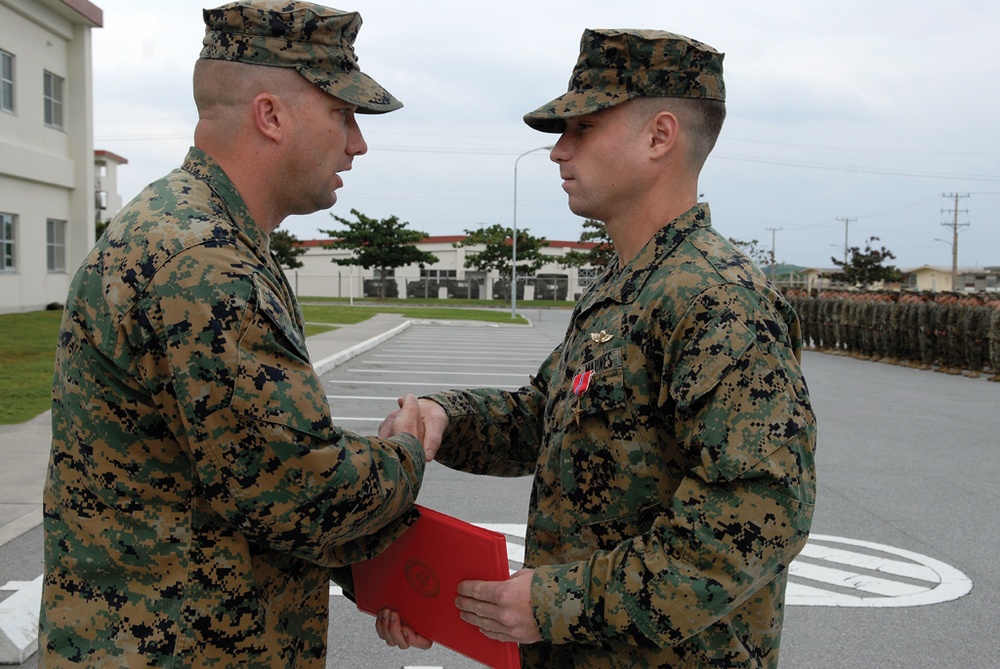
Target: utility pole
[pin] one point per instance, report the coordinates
(773, 230)
(846, 221)
(954, 225)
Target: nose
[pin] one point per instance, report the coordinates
(356, 144)
(560, 150)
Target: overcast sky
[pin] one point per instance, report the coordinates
(859, 110)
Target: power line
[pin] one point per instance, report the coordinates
(954, 236)
(847, 222)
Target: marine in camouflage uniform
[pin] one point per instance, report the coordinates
(880, 324)
(994, 339)
(894, 344)
(975, 324)
(836, 314)
(671, 437)
(925, 332)
(849, 323)
(952, 338)
(199, 498)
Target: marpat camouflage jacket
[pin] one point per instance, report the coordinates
(671, 439)
(198, 493)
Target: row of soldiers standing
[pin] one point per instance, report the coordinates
(949, 332)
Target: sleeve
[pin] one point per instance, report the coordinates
(495, 432)
(228, 366)
(740, 414)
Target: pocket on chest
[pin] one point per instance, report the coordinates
(609, 468)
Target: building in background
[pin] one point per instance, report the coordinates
(107, 200)
(47, 208)
(937, 279)
(319, 276)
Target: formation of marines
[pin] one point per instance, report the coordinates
(954, 333)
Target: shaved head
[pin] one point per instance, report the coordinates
(223, 90)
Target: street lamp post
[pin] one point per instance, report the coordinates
(513, 263)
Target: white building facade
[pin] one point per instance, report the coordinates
(47, 211)
(320, 276)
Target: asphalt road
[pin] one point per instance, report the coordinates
(902, 569)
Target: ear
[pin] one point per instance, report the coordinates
(664, 133)
(268, 116)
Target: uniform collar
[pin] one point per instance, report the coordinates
(624, 285)
(204, 167)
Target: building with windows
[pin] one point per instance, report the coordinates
(933, 279)
(320, 276)
(107, 200)
(47, 211)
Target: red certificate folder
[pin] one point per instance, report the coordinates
(418, 576)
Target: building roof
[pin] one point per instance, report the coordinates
(947, 270)
(77, 11)
(101, 153)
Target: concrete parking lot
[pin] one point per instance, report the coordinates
(902, 570)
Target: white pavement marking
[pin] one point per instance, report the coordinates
(361, 397)
(843, 578)
(865, 574)
(399, 383)
(451, 364)
(870, 583)
(425, 373)
(19, 621)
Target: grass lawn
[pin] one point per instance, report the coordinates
(28, 342)
(27, 351)
(342, 314)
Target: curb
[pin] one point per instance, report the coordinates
(326, 364)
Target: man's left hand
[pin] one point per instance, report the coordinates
(500, 609)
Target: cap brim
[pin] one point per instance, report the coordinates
(356, 88)
(551, 117)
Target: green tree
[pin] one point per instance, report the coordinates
(499, 251)
(601, 254)
(284, 246)
(760, 256)
(383, 244)
(864, 268)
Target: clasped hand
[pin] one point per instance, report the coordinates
(500, 609)
(424, 418)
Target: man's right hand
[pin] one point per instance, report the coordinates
(433, 421)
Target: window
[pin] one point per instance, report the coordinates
(6, 81)
(586, 275)
(7, 242)
(53, 100)
(55, 244)
(438, 273)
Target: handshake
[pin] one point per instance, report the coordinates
(500, 609)
(424, 418)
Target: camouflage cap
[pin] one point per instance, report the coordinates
(317, 41)
(618, 65)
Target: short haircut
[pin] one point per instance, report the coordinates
(701, 121)
(232, 84)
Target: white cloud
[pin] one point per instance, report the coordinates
(848, 109)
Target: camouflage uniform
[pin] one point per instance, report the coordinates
(927, 318)
(994, 340)
(198, 497)
(671, 437)
(198, 493)
(975, 321)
